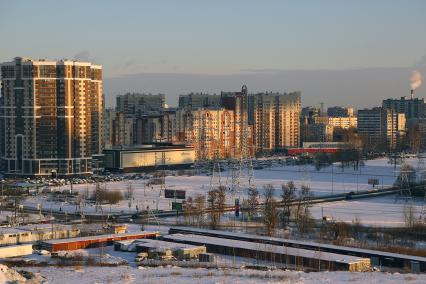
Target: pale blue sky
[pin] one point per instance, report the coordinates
(217, 37)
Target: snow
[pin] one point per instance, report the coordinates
(101, 237)
(225, 235)
(8, 275)
(382, 211)
(385, 211)
(176, 275)
(263, 247)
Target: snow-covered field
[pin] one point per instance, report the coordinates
(175, 275)
(171, 274)
(383, 211)
(375, 211)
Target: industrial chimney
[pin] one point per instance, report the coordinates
(412, 92)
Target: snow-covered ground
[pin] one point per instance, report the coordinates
(8, 275)
(329, 180)
(386, 211)
(176, 275)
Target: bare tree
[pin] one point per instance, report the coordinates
(216, 199)
(97, 196)
(188, 209)
(212, 201)
(409, 215)
(101, 195)
(199, 204)
(303, 216)
(288, 196)
(270, 218)
(252, 201)
(221, 198)
(129, 191)
(113, 197)
(86, 193)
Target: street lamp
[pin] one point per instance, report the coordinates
(1, 203)
(332, 179)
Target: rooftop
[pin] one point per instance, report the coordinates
(265, 248)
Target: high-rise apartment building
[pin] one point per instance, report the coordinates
(108, 124)
(170, 127)
(209, 130)
(136, 104)
(343, 122)
(382, 128)
(238, 102)
(338, 111)
(288, 120)
(198, 100)
(51, 116)
(275, 120)
(122, 130)
(313, 126)
(149, 129)
(413, 108)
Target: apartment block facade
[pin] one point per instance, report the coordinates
(413, 108)
(382, 128)
(275, 119)
(343, 122)
(51, 116)
(198, 100)
(136, 104)
(338, 111)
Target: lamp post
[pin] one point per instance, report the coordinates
(1, 205)
(332, 179)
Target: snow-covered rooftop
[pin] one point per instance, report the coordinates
(264, 248)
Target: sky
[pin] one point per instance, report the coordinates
(338, 52)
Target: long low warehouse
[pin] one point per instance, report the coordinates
(15, 251)
(34, 233)
(180, 250)
(93, 241)
(290, 257)
(378, 258)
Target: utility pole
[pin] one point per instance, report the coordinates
(2, 196)
(332, 179)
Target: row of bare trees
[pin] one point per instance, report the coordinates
(216, 201)
(293, 206)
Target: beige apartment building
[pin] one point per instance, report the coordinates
(51, 116)
(275, 119)
(343, 122)
(211, 132)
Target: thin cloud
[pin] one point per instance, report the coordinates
(84, 55)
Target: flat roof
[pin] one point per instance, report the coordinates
(10, 230)
(162, 244)
(33, 228)
(266, 248)
(146, 148)
(97, 237)
(307, 243)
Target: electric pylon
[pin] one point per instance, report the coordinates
(422, 182)
(404, 181)
(242, 174)
(213, 142)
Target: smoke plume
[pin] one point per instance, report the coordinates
(416, 80)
